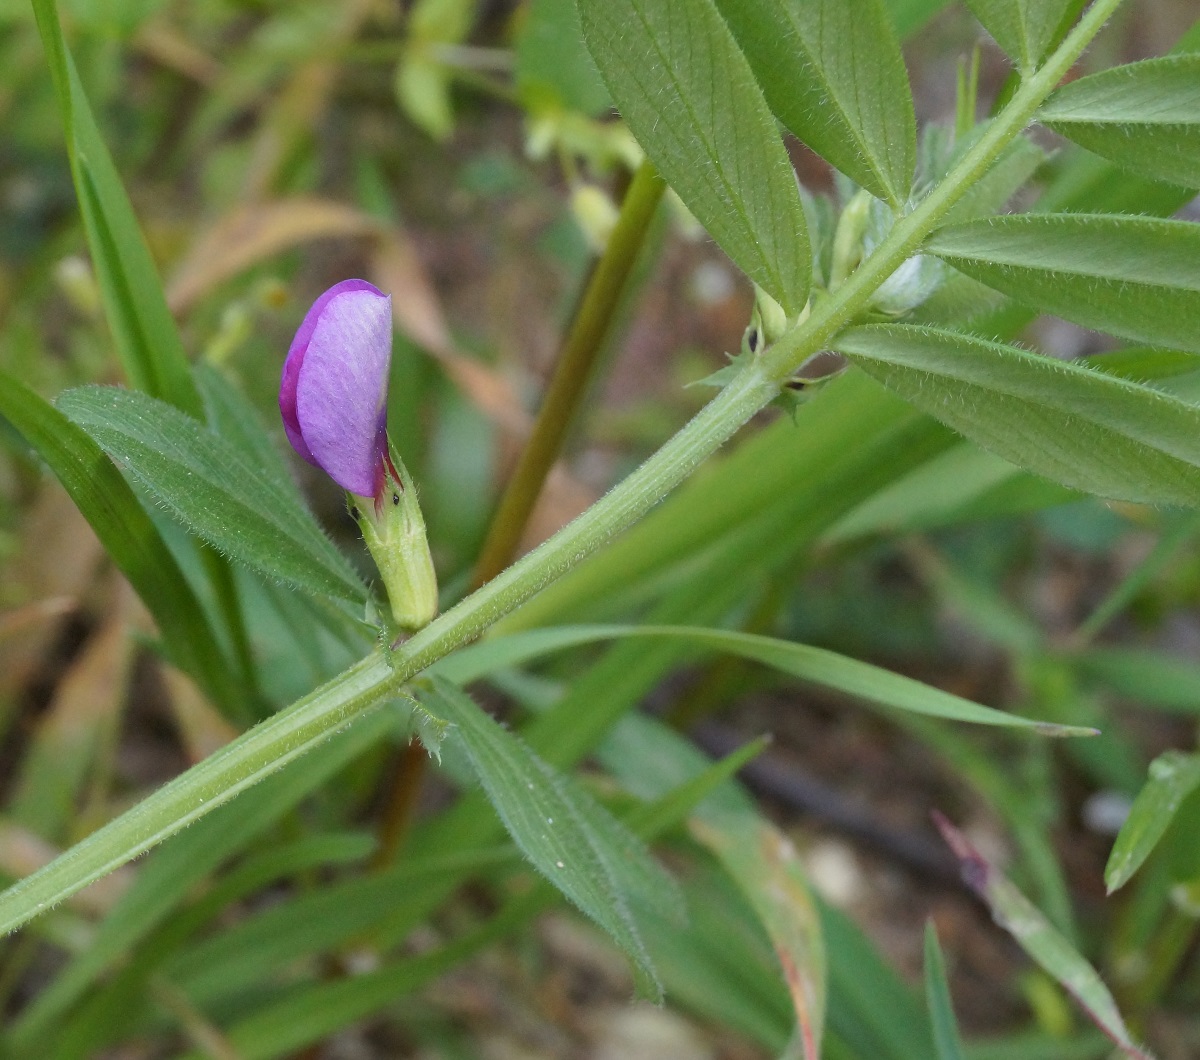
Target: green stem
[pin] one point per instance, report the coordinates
(374, 680)
(589, 330)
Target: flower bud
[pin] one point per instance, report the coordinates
(596, 215)
(333, 400)
(768, 323)
(394, 531)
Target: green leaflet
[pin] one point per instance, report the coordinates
(1025, 29)
(1074, 425)
(128, 535)
(688, 94)
(910, 15)
(1173, 776)
(566, 835)
(1144, 117)
(1136, 277)
(205, 482)
(233, 416)
(833, 73)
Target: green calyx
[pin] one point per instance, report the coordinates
(394, 532)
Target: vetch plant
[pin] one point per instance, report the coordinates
(333, 400)
(911, 274)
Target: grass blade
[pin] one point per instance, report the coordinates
(1038, 938)
(1173, 777)
(833, 73)
(816, 665)
(1025, 29)
(937, 997)
(146, 337)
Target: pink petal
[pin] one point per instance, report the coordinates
(338, 387)
(295, 359)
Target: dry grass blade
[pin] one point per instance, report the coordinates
(65, 770)
(768, 869)
(161, 42)
(202, 729)
(254, 232)
(55, 560)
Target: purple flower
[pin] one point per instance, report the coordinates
(333, 398)
(334, 389)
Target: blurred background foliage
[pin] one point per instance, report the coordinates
(461, 154)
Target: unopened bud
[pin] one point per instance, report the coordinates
(596, 214)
